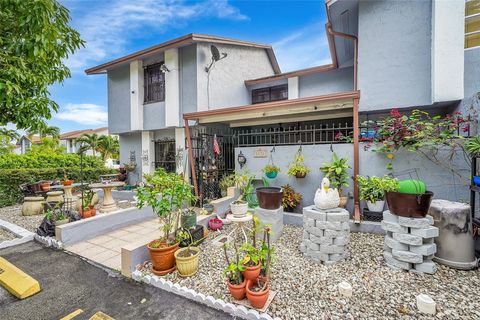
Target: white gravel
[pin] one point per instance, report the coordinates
(6, 235)
(307, 290)
(13, 214)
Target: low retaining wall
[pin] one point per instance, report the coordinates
(85, 229)
(23, 234)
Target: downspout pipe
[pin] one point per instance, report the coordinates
(356, 133)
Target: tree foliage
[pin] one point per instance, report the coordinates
(88, 142)
(109, 147)
(35, 39)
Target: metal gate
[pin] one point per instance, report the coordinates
(210, 166)
(165, 154)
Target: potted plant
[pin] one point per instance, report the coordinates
(271, 171)
(45, 185)
(208, 206)
(290, 198)
(167, 193)
(186, 259)
(252, 258)
(234, 273)
(88, 209)
(243, 181)
(239, 207)
(336, 172)
(188, 219)
(297, 168)
(55, 213)
(215, 224)
(472, 146)
(409, 199)
(372, 190)
(225, 183)
(258, 290)
(66, 181)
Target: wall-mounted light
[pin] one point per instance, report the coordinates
(241, 159)
(164, 68)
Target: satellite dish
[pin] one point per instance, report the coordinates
(215, 53)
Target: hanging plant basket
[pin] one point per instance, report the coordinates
(297, 167)
(271, 175)
(271, 170)
(300, 175)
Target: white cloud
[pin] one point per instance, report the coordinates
(108, 28)
(84, 113)
(303, 48)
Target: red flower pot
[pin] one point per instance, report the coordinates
(215, 224)
(237, 290)
(251, 273)
(257, 299)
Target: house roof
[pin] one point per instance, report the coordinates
(79, 133)
(32, 138)
(183, 41)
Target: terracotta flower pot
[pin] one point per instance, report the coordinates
(237, 290)
(90, 212)
(67, 182)
(251, 273)
(45, 186)
(257, 299)
(343, 201)
(163, 258)
(187, 266)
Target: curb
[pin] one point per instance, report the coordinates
(230, 308)
(23, 234)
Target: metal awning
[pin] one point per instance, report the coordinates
(330, 106)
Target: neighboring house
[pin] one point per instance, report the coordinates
(68, 139)
(25, 143)
(384, 54)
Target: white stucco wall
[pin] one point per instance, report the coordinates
(227, 76)
(448, 27)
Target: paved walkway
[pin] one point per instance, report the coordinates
(69, 283)
(106, 249)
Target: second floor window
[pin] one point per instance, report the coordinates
(154, 82)
(270, 94)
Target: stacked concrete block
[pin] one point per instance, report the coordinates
(274, 218)
(409, 243)
(326, 234)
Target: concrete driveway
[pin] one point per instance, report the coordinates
(69, 283)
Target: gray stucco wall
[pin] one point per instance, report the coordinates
(188, 79)
(119, 99)
(227, 77)
(472, 71)
(338, 80)
(154, 115)
(394, 54)
(438, 180)
(131, 142)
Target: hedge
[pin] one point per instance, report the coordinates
(11, 179)
(47, 160)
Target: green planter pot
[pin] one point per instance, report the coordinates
(271, 175)
(189, 220)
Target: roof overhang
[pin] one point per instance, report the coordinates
(329, 106)
(184, 41)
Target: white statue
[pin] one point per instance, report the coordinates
(326, 198)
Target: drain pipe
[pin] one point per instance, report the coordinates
(356, 133)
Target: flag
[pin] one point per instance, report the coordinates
(216, 147)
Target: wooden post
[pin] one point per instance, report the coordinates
(356, 161)
(190, 157)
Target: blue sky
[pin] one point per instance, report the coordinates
(117, 27)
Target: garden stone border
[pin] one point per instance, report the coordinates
(50, 242)
(23, 234)
(230, 308)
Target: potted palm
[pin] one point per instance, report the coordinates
(372, 190)
(167, 193)
(297, 168)
(234, 273)
(271, 171)
(336, 172)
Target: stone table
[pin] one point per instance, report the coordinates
(68, 189)
(108, 204)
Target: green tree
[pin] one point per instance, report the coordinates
(48, 145)
(6, 144)
(109, 147)
(45, 131)
(35, 40)
(89, 142)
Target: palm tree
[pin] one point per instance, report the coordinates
(108, 147)
(45, 131)
(90, 141)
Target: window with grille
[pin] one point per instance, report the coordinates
(154, 83)
(270, 94)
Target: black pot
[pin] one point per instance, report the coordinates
(408, 204)
(300, 175)
(188, 219)
(269, 198)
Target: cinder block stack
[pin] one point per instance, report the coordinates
(409, 243)
(326, 234)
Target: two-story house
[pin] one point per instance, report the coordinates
(384, 54)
